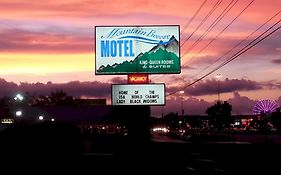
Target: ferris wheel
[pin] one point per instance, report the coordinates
(265, 106)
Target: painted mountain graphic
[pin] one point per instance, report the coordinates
(171, 46)
(162, 58)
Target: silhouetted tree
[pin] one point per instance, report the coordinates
(57, 98)
(5, 107)
(60, 98)
(276, 119)
(220, 115)
(42, 101)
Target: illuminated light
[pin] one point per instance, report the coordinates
(244, 121)
(103, 127)
(237, 123)
(138, 79)
(41, 117)
(166, 130)
(18, 97)
(18, 113)
(7, 121)
(265, 107)
(181, 92)
(218, 76)
(158, 129)
(52, 119)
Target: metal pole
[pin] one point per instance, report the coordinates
(219, 90)
(182, 111)
(218, 76)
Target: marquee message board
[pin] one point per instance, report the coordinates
(141, 94)
(137, 49)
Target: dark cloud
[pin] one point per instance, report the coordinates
(74, 88)
(276, 61)
(119, 80)
(209, 87)
(272, 84)
(192, 106)
(240, 104)
(102, 89)
(7, 88)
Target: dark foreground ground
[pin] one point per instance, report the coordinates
(52, 149)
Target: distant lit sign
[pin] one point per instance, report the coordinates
(137, 49)
(141, 94)
(7, 121)
(138, 79)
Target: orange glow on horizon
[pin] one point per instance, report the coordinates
(40, 64)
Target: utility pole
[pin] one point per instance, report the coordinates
(218, 76)
(182, 110)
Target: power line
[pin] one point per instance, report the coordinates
(202, 22)
(217, 20)
(205, 68)
(217, 34)
(196, 13)
(249, 45)
(245, 49)
(206, 17)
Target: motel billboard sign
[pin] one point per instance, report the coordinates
(137, 49)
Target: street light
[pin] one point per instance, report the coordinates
(18, 113)
(41, 117)
(218, 76)
(18, 97)
(182, 111)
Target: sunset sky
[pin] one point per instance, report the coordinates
(48, 45)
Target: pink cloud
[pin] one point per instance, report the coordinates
(43, 42)
(94, 8)
(241, 104)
